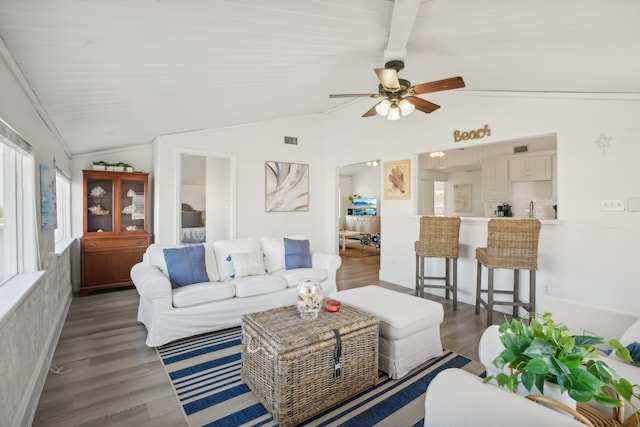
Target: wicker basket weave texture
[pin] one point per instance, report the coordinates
(288, 362)
(511, 244)
(438, 237)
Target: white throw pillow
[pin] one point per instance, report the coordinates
(224, 248)
(247, 264)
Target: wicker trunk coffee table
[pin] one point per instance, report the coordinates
(298, 368)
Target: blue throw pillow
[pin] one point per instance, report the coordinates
(634, 351)
(296, 254)
(186, 266)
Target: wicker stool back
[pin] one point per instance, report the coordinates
(511, 244)
(439, 238)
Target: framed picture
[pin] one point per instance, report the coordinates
(48, 208)
(462, 197)
(397, 180)
(287, 187)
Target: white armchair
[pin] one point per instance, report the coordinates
(458, 398)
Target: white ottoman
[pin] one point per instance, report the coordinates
(409, 326)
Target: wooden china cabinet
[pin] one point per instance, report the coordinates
(116, 227)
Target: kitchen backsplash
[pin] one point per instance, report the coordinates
(522, 193)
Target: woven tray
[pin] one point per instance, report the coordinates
(289, 362)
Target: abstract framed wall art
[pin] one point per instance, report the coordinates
(462, 197)
(397, 180)
(287, 187)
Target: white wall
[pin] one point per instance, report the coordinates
(588, 255)
(346, 190)
(251, 146)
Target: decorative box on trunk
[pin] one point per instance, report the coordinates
(298, 367)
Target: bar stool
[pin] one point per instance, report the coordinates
(511, 244)
(438, 239)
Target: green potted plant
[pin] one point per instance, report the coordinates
(544, 352)
(100, 165)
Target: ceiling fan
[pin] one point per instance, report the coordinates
(399, 96)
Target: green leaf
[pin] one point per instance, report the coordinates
(528, 379)
(606, 400)
(536, 366)
(539, 347)
(588, 340)
(624, 388)
(580, 396)
(621, 351)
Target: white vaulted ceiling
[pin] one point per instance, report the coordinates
(113, 73)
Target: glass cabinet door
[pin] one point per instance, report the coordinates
(100, 205)
(132, 203)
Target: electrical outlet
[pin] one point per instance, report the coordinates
(617, 204)
(612, 205)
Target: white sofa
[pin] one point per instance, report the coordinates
(170, 314)
(486, 404)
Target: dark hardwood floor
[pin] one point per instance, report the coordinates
(103, 374)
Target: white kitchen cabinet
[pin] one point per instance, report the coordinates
(495, 180)
(363, 223)
(530, 168)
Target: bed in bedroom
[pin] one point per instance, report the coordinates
(193, 225)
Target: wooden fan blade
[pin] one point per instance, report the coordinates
(422, 105)
(439, 85)
(388, 78)
(354, 95)
(371, 112)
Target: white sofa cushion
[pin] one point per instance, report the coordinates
(155, 257)
(202, 293)
(224, 248)
(258, 285)
(273, 249)
(293, 277)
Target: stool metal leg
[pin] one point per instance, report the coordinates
(455, 284)
(532, 291)
(447, 278)
(490, 298)
(417, 274)
(422, 273)
(516, 292)
(478, 283)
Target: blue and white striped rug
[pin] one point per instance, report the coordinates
(205, 373)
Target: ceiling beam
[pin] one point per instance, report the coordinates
(402, 19)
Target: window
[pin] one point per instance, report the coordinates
(8, 239)
(63, 205)
(18, 232)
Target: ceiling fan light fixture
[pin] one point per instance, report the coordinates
(406, 107)
(394, 112)
(383, 107)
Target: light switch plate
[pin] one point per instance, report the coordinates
(633, 204)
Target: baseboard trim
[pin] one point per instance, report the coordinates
(27, 411)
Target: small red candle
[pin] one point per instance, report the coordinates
(333, 306)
